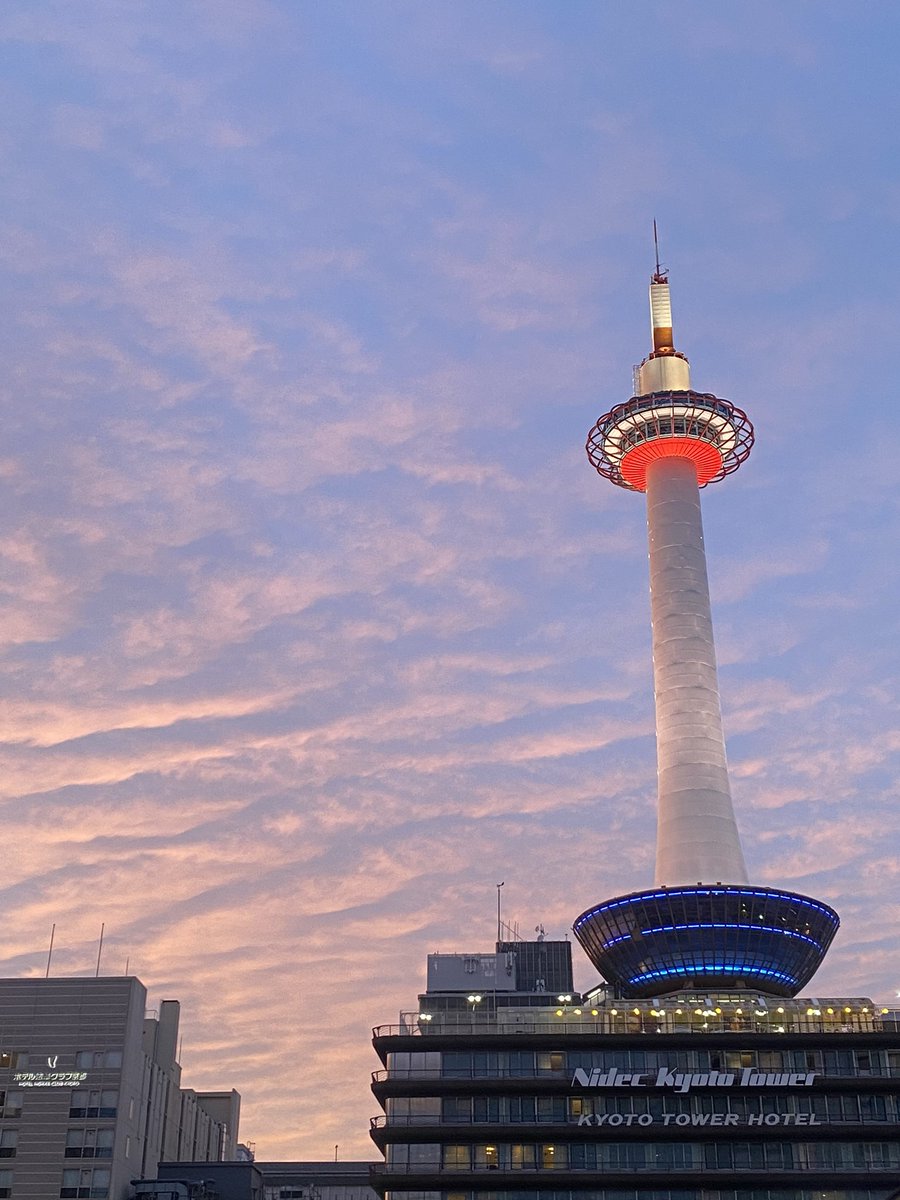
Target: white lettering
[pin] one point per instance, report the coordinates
(615, 1118)
(682, 1081)
(585, 1119)
(731, 1119)
(682, 1119)
(700, 1119)
(645, 1119)
(41, 1079)
(755, 1119)
(716, 1119)
(773, 1119)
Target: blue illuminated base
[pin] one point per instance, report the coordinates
(726, 936)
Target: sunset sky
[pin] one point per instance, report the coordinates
(316, 622)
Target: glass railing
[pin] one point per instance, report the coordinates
(489, 1025)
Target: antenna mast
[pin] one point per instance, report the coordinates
(659, 276)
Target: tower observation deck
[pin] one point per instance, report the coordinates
(703, 923)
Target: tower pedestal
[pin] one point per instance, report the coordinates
(722, 936)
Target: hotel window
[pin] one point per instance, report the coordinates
(455, 1110)
(839, 1062)
(553, 1060)
(520, 1063)
(486, 1108)
(94, 1104)
(522, 1157)
(455, 1064)
(873, 1108)
(522, 1109)
(484, 1063)
(551, 1109)
(8, 1139)
(735, 1059)
(10, 1104)
(424, 1154)
(771, 1060)
(414, 1110)
(487, 1158)
(6, 1179)
(85, 1185)
(414, 1063)
(457, 1158)
(90, 1143)
(11, 1058)
(553, 1156)
(86, 1060)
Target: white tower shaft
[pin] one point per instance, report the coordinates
(697, 837)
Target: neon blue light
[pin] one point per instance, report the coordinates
(713, 970)
(728, 925)
(643, 897)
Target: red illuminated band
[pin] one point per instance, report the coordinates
(705, 457)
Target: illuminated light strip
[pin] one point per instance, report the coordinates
(643, 897)
(747, 969)
(726, 925)
(707, 458)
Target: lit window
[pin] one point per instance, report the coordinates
(457, 1158)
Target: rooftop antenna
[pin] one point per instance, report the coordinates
(50, 951)
(659, 276)
(100, 950)
(499, 938)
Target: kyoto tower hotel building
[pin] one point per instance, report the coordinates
(692, 1071)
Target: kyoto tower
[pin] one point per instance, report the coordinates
(703, 924)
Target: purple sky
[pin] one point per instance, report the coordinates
(316, 621)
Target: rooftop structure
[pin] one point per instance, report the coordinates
(258, 1181)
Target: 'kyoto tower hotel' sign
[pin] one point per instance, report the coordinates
(702, 924)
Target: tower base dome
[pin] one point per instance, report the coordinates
(714, 936)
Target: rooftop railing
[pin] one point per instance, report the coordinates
(628, 1022)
